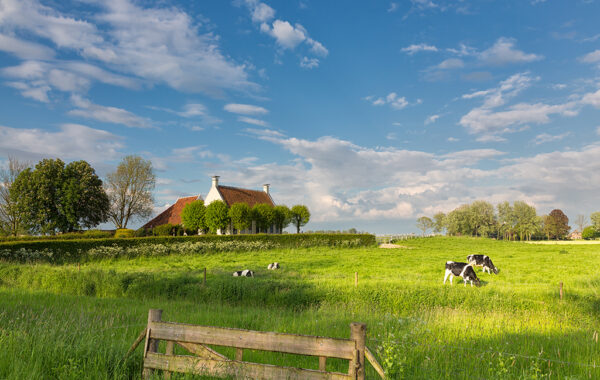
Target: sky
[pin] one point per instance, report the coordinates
(371, 113)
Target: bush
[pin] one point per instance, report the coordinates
(142, 232)
(124, 233)
(63, 251)
(163, 230)
(97, 234)
(590, 233)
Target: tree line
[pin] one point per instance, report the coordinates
(518, 221)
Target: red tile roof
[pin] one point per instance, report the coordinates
(172, 214)
(233, 195)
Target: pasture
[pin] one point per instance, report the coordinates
(70, 321)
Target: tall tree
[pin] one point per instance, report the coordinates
(457, 221)
(300, 216)
(283, 217)
(526, 220)
(217, 216)
(424, 223)
(482, 219)
(264, 215)
(11, 218)
(557, 224)
(83, 201)
(581, 222)
(193, 216)
(241, 216)
(595, 217)
(506, 220)
(129, 190)
(439, 222)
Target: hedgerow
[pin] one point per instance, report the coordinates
(64, 251)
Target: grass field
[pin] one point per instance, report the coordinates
(70, 322)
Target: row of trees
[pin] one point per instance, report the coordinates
(517, 221)
(53, 197)
(217, 216)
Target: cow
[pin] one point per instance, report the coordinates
(273, 266)
(463, 270)
(243, 273)
(482, 261)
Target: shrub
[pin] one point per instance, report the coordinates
(61, 251)
(97, 234)
(163, 230)
(217, 216)
(590, 233)
(193, 215)
(143, 232)
(124, 233)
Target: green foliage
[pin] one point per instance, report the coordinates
(283, 217)
(264, 215)
(590, 233)
(217, 216)
(167, 229)
(595, 218)
(300, 216)
(96, 234)
(124, 233)
(439, 222)
(193, 216)
(556, 225)
(62, 251)
(424, 223)
(241, 216)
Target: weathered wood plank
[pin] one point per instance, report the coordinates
(254, 340)
(138, 340)
(358, 333)
(371, 358)
(201, 366)
(202, 351)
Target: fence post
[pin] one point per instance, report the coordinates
(356, 279)
(561, 290)
(154, 315)
(358, 333)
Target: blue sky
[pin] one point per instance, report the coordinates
(371, 113)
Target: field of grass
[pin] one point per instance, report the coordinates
(77, 322)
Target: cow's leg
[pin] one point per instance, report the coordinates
(446, 276)
(465, 282)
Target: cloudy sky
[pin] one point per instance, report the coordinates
(371, 113)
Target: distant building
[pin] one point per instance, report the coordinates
(228, 194)
(575, 235)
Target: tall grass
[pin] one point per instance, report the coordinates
(514, 326)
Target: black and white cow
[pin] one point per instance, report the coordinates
(243, 273)
(273, 266)
(482, 261)
(463, 270)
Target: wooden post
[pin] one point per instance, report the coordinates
(239, 354)
(322, 363)
(356, 279)
(561, 290)
(154, 315)
(204, 281)
(169, 351)
(358, 333)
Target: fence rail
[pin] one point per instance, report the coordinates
(205, 361)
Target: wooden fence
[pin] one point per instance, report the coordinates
(206, 361)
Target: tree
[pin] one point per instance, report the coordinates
(439, 222)
(217, 216)
(193, 216)
(424, 223)
(11, 219)
(264, 215)
(457, 221)
(595, 217)
(581, 221)
(526, 220)
(83, 201)
(506, 220)
(589, 233)
(283, 217)
(482, 219)
(557, 225)
(129, 190)
(300, 216)
(241, 216)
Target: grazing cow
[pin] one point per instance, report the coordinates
(463, 270)
(273, 266)
(243, 273)
(482, 261)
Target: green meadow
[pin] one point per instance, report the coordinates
(77, 321)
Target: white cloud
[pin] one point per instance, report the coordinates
(393, 7)
(392, 99)
(245, 109)
(309, 63)
(24, 49)
(592, 98)
(545, 138)
(260, 12)
(593, 57)
(598, 130)
(503, 52)
(87, 109)
(70, 142)
(412, 49)
(431, 119)
(452, 139)
(451, 63)
(250, 120)
(286, 35)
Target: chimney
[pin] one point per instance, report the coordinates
(215, 181)
(266, 188)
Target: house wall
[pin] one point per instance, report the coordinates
(213, 195)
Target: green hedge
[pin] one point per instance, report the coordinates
(90, 234)
(62, 251)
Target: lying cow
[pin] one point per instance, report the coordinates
(482, 261)
(243, 273)
(463, 270)
(273, 266)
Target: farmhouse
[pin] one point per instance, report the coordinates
(228, 194)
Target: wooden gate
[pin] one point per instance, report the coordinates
(206, 361)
